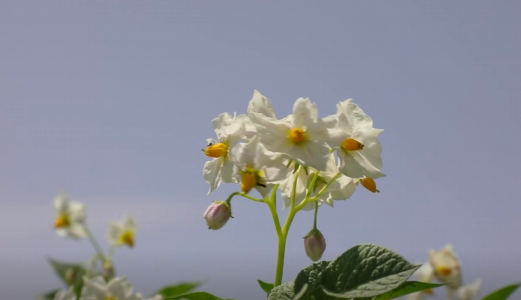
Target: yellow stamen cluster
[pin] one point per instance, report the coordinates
(217, 150)
(127, 238)
(444, 270)
(297, 136)
(110, 298)
(249, 180)
(352, 145)
(62, 221)
(369, 184)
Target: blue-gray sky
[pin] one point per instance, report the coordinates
(112, 101)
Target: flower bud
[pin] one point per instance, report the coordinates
(217, 214)
(314, 244)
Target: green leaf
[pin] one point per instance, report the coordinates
(365, 271)
(283, 292)
(267, 287)
(502, 293)
(406, 288)
(197, 296)
(48, 296)
(178, 289)
(70, 273)
(310, 277)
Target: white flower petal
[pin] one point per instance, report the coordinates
(227, 171)
(212, 173)
(357, 118)
(311, 154)
(267, 125)
(304, 113)
(261, 104)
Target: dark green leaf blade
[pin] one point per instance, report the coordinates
(178, 289)
(282, 292)
(406, 288)
(267, 287)
(197, 296)
(502, 293)
(365, 271)
(310, 276)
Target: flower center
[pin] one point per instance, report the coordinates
(429, 292)
(110, 298)
(352, 145)
(127, 238)
(62, 221)
(297, 135)
(444, 270)
(217, 150)
(369, 184)
(249, 180)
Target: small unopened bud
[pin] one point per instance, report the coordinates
(69, 276)
(108, 270)
(314, 244)
(217, 214)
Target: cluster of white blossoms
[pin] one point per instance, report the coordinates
(96, 288)
(71, 217)
(71, 222)
(259, 150)
(445, 266)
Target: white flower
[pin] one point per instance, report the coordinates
(70, 217)
(470, 291)
(122, 232)
(447, 267)
(358, 147)
(340, 189)
(423, 274)
(229, 132)
(302, 136)
(256, 167)
(65, 295)
(118, 288)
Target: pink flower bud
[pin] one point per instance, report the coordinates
(314, 244)
(217, 214)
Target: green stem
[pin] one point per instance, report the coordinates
(94, 243)
(316, 212)
(282, 247)
(294, 191)
(272, 204)
(243, 195)
(322, 191)
(284, 233)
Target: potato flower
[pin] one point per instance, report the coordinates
(301, 135)
(447, 267)
(229, 133)
(70, 217)
(256, 167)
(96, 288)
(358, 147)
(122, 232)
(470, 291)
